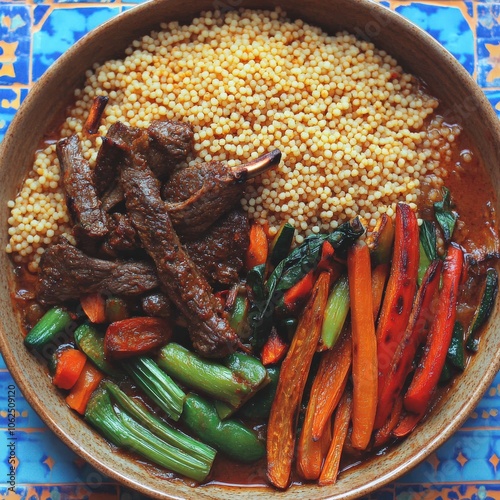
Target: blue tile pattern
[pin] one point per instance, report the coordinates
(33, 34)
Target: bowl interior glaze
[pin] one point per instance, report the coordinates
(419, 54)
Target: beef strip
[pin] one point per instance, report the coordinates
(122, 235)
(170, 143)
(108, 158)
(198, 195)
(182, 281)
(157, 304)
(81, 194)
(219, 252)
(67, 273)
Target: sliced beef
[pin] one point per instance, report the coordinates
(81, 194)
(67, 273)
(182, 281)
(198, 195)
(170, 143)
(219, 252)
(109, 157)
(157, 304)
(122, 236)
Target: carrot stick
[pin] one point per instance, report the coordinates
(340, 428)
(406, 424)
(330, 381)
(379, 279)
(401, 364)
(274, 349)
(293, 376)
(400, 292)
(87, 383)
(258, 247)
(69, 365)
(309, 452)
(94, 306)
(426, 378)
(384, 433)
(364, 345)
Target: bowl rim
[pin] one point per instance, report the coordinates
(446, 429)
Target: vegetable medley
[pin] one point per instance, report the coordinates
(346, 341)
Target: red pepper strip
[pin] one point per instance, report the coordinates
(293, 377)
(401, 364)
(427, 374)
(135, 336)
(258, 247)
(400, 292)
(274, 349)
(384, 433)
(298, 293)
(327, 252)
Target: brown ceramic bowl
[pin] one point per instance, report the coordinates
(420, 55)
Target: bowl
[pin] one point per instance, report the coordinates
(419, 54)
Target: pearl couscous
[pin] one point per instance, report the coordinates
(357, 133)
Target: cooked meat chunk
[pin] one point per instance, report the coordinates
(122, 235)
(220, 251)
(182, 281)
(170, 143)
(198, 195)
(108, 157)
(81, 194)
(67, 273)
(157, 304)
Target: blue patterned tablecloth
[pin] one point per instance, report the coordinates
(33, 34)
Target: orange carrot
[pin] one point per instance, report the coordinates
(384, 433)
(426, 378)
(400, 291)
(258, 247)
(380, 240)
(134, 336)
(330, 381)
(364, 345)
(293, 376)
(406, 424)
(94, 306)
(379, 279)
(340, 428)
(326, 391)
(274, 349)
(87, 383)
(309, 452)
(69, 365)
(401, 364)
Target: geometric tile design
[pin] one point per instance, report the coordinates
(33, 34)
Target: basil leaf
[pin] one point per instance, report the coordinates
(445, 216)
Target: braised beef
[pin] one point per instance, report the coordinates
(122, 236)
(81, 194)
(182, 281)
(170, 143)
(108, 157)
(198, 195)
(67, 273)
(219, 252)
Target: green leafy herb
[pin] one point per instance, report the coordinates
(445, 215)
